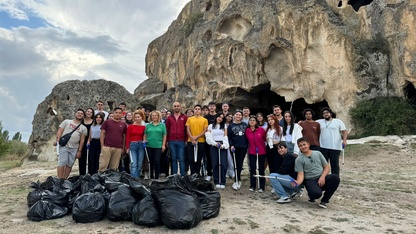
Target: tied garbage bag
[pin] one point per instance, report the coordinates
(35, 195)
(178, 209)
(197, 182)
(136, 185)
(44, 210)
(121, 203)
(89, 208)
(210, 203)
(146, 213)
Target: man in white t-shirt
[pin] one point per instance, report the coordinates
(332, 139)
(72, 150)
(100, 108)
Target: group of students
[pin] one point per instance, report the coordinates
(211, 144)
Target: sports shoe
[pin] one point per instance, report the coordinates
(251, 189)
(162, 174)
(296, 194)
(323, 204)
(208, 178)
(260, 191)
(273, 191)
(222, 186)
(217, 186)
(311, 201)
(146, 176)
(284, 200)
(236, 186)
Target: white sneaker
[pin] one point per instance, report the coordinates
(239, 184)
(260, 191)
(146, 176)
(208, 178)
(273, 191)
(222, 186)
(284, 200)
(217, 186)
(235, 186)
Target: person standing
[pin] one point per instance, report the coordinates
(100, 108)
(123, 107)
(230, 170)
(134, 143)
(225, 108)
(94, 143)
(273, 137)
(246, 115)
(291, 132)
(211, 116)
(330, 139)
(196, 126)
(155, 138)
(256, 138)
(73, 148)
(216, 137)
(164, 157)
(87, 122)
(310, 129)
(112, 139)
(277, 111)
(313, 172)
(238, 144)
(176, 138)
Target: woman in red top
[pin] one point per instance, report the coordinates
(134, 142)
(256, 137)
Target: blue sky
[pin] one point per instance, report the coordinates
(41, 43)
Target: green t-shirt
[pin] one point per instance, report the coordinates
(154, 135)
(311, 166)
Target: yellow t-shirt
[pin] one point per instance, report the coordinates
(197, 125)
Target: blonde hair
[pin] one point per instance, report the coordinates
(159, 115)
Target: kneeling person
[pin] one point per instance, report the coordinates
(281, 181)
(313, 170)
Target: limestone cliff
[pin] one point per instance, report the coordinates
(260, 53)
(62, 103)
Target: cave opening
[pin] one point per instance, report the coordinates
(410, 93)
(262, 99)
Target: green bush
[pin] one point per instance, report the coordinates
(384, 116)
(18, 148)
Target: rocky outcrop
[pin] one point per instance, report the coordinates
(260, 53)
(62, 103)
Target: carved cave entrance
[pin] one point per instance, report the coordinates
(410, 93)
(262, 99)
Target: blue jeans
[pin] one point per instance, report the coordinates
(136, 158)
(177, 150)
(282, 187)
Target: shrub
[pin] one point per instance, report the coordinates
(384, 116)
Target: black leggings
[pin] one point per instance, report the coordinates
(154, 157)
(240, 154)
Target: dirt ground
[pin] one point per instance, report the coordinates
(376, 195)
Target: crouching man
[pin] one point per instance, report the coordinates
(313, 170)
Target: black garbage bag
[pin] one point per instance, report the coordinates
(121, 203)
(49, 183)
(171, 182)
(62, 185)
(146, 213)
(178, 209)
(89, 184)
(89, 208)
(72, 198)
(59, 198)
(112, 186)
(44, 210)
(136, 185)
(36, 194)
(210, 203)
(196, 182)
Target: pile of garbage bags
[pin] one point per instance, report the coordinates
(177, 202)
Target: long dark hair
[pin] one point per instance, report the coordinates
(292, 123)
(95, 117)
(275, 125)
(214, 122)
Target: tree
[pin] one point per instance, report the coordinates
(4, 144)
(5, 135)
(17, 137)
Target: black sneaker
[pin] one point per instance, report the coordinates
(296, 194)
(323, 204)
(311, 201)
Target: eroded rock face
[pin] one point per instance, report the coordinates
(241, 51)
(63, 102)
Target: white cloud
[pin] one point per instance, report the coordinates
(80, 39)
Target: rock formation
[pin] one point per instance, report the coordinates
(303, 52)
(62, 103)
